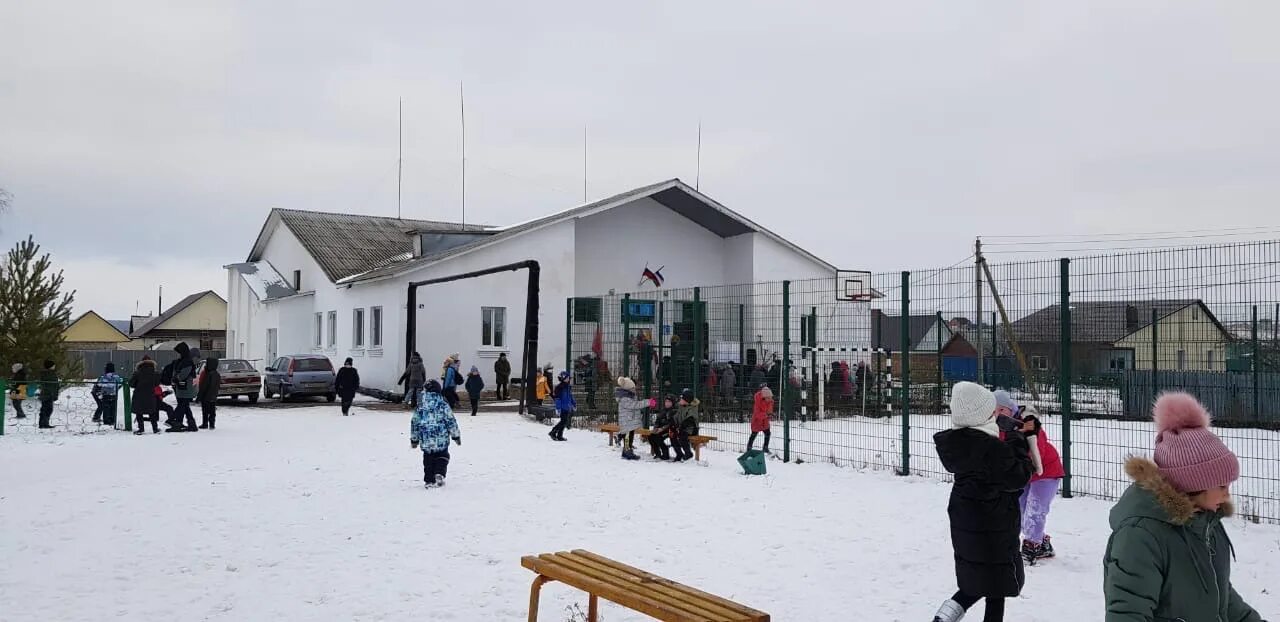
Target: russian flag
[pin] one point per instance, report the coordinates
(652, 275)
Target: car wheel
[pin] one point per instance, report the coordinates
(253, 398)
(267, 393)
(331, 397)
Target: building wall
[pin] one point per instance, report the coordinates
(209, 313)
(1190, 330)
(614, 246)
(286, 254)
(91, 331)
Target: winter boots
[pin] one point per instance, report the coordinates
(1033, 552)
(629, 454)
(950, 611)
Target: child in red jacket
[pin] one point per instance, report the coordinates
(760, 417)
(1038, 495)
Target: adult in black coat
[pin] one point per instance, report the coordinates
(990, 473)
(502, 375)
(210, 382)
(345, 384)
(145, 404)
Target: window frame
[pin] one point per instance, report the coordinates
(317, 329)
(375, 327)
(332, 326)
(494, 320)
(357, 327)
(1039, 362)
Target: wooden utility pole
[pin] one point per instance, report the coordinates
(1008, 329)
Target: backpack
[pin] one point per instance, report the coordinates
(166, 374)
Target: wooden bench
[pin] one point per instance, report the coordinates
(696, 441)
(637, 590)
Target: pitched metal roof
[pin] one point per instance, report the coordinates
(348, 244)
(120, 325)
(1101, 321)
(886, 330)
(263, 279)
(672, 193)
(172, 311)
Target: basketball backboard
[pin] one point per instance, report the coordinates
(853, 285)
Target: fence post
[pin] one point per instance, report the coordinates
(128, 405)
(3, 393)
(697, 342)
(662, 367)
(783, 384)
(1064, 369)
(1155, 353)
(938, 387)
(905, 355)
(568, 334)
(1257, 354)
(742, 344)
(626, 335)
(815, 393)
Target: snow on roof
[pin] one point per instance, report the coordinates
(264, 280)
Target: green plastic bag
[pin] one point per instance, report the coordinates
(752, 462)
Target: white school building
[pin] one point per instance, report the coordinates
(336, 284)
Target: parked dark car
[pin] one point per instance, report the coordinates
(299, 375)
(239, 377)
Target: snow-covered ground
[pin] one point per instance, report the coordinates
(1099, 448)
(302, 514)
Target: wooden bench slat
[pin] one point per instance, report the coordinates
(607, 591)
(638, 587)
(755, 615)
(661, 588)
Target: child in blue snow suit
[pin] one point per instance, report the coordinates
(565, 406)
(104, 392)
(430, 430)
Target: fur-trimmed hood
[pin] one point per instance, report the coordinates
(1155, 497)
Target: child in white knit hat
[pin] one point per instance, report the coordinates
(990, 474)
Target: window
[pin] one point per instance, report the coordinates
(297, 280)
(317, 325)
(1039, 362)
(357, 328)
(375, 327)
(493, 326)
(1195, 312)
(333, 328)
(1208, 360)
(1182, 359)
(312, 364)
(586, 309)
(1119, 362)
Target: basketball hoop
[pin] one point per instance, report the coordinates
(853, 286)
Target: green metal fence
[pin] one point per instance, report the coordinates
(75, 411)
(1088, 341)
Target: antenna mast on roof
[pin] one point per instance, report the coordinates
(399, 154)
(697, 180)
(462, 103)
(160, 301)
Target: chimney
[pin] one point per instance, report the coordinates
(1131, 319)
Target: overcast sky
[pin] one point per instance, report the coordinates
(145, 142)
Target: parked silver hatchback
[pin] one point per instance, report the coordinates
(299, 375)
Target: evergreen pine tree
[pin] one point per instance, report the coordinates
(34, 312)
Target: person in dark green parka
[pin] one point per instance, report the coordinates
(1169, 557)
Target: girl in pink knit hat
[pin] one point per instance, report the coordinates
(1169, 557)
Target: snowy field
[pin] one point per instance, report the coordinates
(301, 514)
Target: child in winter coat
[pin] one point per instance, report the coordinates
(50, 384)
(686, 425)
(105, 391)
(565, 406)
(630, 417)
(1169, 557)
(541, 389)
(207, 386)
(432, 426)
(662, 429)
(760, 417)
(413, 379)
(451, 376)
(1039, 494)
(474, 385)
(18, 389)
(990, 474)
(147, 395)
(345, 384)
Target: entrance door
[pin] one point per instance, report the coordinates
(271, 346)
